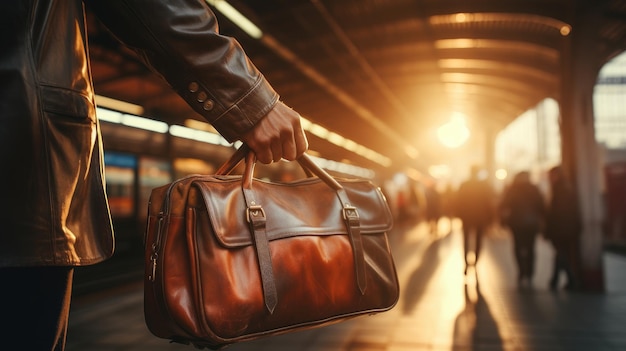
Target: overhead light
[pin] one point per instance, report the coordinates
(495, 17)
(200, 132)
(118, 105)
(111, 116)
(411, 152)
(501, 174)
(236, 17)
(317, 130)
(144, 123)
(343, 142)
(454, 133)
(344, 167)
(441, 171)
(198, 135)
(200, 125)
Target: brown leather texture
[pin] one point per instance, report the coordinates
(231, 258)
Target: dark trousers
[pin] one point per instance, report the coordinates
(475, 232)
(524, 248)
(565, 260)
(34, 307)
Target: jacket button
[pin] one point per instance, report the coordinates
(208, 105)
(193, 87)
(202, 96)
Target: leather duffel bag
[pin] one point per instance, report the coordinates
(231, 258)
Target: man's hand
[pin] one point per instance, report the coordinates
(278, 135)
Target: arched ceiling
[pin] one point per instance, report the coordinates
(386, 73)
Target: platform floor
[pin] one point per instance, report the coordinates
(440, 308)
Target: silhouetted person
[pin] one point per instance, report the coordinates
(474, 201)
(447, 205)
(522, 209)
(433, 206)
(563, 228)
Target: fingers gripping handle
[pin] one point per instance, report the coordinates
(304, 160)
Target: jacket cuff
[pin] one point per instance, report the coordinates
(232, 120)
(246, 112)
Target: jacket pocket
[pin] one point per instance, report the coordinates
(67, 102)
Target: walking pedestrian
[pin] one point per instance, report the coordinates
(475, 208)
(522, 209)
(563, 229)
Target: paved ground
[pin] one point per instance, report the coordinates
(439, 308)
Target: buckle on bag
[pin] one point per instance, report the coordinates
(254, 211)
(350, 213)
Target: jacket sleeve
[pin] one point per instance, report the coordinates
(179, 40)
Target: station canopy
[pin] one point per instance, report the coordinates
(384, 74)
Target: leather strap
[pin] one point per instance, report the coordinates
(350, 216)
(255, 215)
(353, 225)
(306, 163)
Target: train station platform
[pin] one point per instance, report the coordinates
(440, 308)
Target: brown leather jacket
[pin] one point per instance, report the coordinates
(54, 207)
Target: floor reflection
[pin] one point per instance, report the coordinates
(419, 280)
(475, 327)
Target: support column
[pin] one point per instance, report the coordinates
(579, 148)
(490, 143)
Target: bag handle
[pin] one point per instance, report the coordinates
(228, 166)
(255, 215)
(305, 161)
